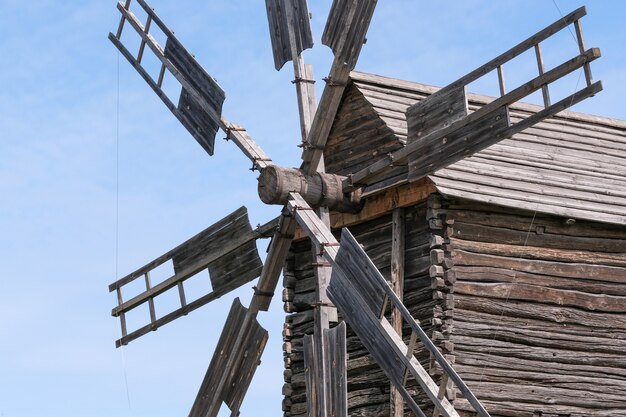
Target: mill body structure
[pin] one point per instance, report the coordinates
(406, 238)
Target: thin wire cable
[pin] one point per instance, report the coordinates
(117, 216)
(563, 17)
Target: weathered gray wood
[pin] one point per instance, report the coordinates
(345, 33)
(248, 146)
(204, 92)
(397, 283)
(520, 48)
(231, 261)
(335, 381)
(200, 121)
(346, 28)
(198, 253)
(234, 362)
(436, 138)
(319, 189)
(436, 112)
(285, 39)
(353, 254)
(436, 154)
(277, 253)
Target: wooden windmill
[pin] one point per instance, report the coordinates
(442, 131)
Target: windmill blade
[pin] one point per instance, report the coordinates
(345, 32)
(242, 341)
(441, 131)
(200, 103)
(346, 28)
(201, 98)
(288, 41)
(227, 249)
(361, 294)
(237, 352)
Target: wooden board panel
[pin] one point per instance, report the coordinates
(435, 154)
(346, 27)
(227, 248)
(279, 30)
(199, 121)
(234, 362)
(436, 112)
(335, 383)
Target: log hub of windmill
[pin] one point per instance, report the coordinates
(474, 246)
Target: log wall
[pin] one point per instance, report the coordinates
(368, 387)
(539, 311)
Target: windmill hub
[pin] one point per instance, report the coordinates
(319, 189)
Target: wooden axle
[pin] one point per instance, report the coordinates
(317, 189)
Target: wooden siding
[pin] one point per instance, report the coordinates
(539, 311)
(368, 387)
(571, 165)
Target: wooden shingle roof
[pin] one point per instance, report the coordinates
(572, 165)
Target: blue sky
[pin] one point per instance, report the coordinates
(98, 178)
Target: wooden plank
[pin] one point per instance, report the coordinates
(384, 348)
(198, 253)
(397, 283)
(345, 33)
(195, 112)
(277, 253)
(233, 365)
(178, 249)
(346, 28)
(373, 276)
(520, 48)
(335, 382)
(436, 112)
(280, 34)
(337, 363)
(436, 138)
(248, 146)
(437, 153)
(202, 92)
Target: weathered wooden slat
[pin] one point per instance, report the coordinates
(182, 248)
(188, 65)
(232, 367)
(277, 253)
(436, 112)
(282, 38)
(520, 48)
(346, 27)
(345, 33)
(439, 137)
(354, 252)
(435, 154)
(335, 383)
(350, 302)
(216, 243)
(200, 121)
(397, 283)
(227, 249)
(337, 364)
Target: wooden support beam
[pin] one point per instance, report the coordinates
(397, 283)
(435, 141)
(233, 365)
(361, 303)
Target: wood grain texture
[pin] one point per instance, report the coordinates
(232, 367)
(572, 164)
(280, 35)
(227, 249)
